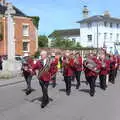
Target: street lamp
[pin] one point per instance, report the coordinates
(97, 38)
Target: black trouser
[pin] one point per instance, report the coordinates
(91, 80)
(116, 72)
(1, 66)
(73, 77)
(28, 79)
(112, 76)
(44, 86)
(77, 75)
(54, 81)
(68, 83)
(102, 81)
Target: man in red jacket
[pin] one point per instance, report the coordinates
(27, 72)
(77, 68)
(103, 71)
(54, 69)
(92, 67)
(112, 69)
(44, 75)
(68, 63)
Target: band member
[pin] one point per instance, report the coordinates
(27, 73)
(77, 68)
(68, 63)
(72, 54)
(92, 67)
(103, 71)
(44, 75)
(112, 69)
(54, 69)
(116, 64)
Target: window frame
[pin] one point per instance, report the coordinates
(28, 47)
(89, 38)
(26, 32)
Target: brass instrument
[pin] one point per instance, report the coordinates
(45, 68)
(90, 64)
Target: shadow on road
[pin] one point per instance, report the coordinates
(32, 90)
(39, 99)
(62, 90)
(84, 90)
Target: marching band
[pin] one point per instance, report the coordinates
(102, 65)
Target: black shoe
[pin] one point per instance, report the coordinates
(54, 85)
(68, 93)
(42, 105)
(77, 86)
(28, 92)
(86, 82)
(92, 94)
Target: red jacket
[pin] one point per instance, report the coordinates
(89, 72)
(78, 66)
(27, 67)
(68, 67)
(105, 70)
(46, 76)
(53, 67)
(113, 63)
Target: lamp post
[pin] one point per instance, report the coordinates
(97, 38)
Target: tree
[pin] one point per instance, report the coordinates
(35, 20)
(42, 41)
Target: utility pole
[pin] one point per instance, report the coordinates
(97, 38)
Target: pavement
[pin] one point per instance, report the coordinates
(15, 105)
(12, 81)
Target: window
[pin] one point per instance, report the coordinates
(89, 38)
(25, 30)
(89, 25)
(105, 36)
(74, 40)
(117, 25)
(105, 24)
(26, 46)
(111, 25)
(110, 36)
(117, 37)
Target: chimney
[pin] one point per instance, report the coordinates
(2, 2)
(85, 12)
(106, 13)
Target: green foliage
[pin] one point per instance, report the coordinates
(37, 54)
(42, 41)
(35, 20)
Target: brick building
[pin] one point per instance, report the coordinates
(25, 34)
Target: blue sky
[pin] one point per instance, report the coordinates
(63, 14)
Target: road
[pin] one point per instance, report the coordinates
(105, 105)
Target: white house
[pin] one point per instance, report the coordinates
(71, 34)
(100, 31)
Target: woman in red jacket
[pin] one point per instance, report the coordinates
(68, 63)
(103, 71)
(77, 68)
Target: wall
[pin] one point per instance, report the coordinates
(101, 30)
(32, 38)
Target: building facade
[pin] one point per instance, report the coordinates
(68, 34)
(25, 32)
(100, 31)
